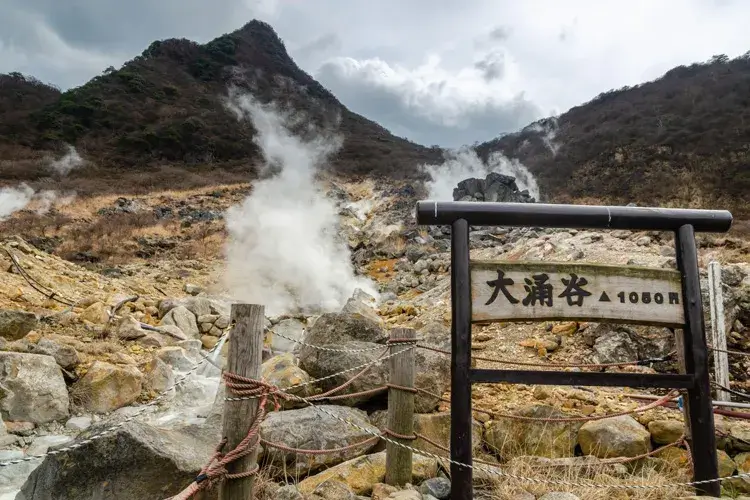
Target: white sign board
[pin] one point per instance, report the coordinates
(503, 291)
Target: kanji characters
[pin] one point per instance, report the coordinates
(500, 285)
(538, 290)
(574, 291)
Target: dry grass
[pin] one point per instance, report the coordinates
(603, 482)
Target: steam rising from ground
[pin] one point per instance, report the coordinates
(284, 250)
(465, 163)
(547, 129)
(13, 199)
(71, 160)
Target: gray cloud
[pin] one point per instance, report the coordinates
(492, 65)
(500, 33)
(418, 67)
(421, 114)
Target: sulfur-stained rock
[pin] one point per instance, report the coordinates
(361, 473)
(107, 387)
(508, 437)
(97, 313)
(614, 437)
(282, 371)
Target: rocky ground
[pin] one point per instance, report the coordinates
(138, 302)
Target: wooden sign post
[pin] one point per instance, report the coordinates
(514, 291)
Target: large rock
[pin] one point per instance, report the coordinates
(65, 355)
(15, 324)
(435, 427)
(107, 387)
(361, 473)
(97, 313)
(319, 363)
(158, 376)
(432, 371)
(508, 437)
(666, 431)
(185, 320)
(314, 428)
(495, 188)
(283, 372)
(336, 328)
(290, 329)
(134, 463)
(619, 343)
(130, 329)
(614, 437)
(178, 358)
(199, 306)
(32, 388)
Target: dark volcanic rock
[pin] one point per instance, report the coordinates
(494, 187)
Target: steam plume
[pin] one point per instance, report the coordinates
(465, 163)
(13, 199)
(284, 250)
(68, 162)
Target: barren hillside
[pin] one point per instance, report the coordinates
(680, 140)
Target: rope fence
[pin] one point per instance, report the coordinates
(493, 469)
(216, 470)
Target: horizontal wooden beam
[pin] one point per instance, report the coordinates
(601, 379)
(476, 213)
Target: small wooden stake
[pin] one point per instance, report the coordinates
(244, 359)
(400, 410)
(718, 330)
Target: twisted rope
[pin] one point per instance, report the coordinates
(659, 402)
(556, 365)
(215, 471)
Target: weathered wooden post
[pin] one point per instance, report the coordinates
(718, 330)
(400, 409)
(244, 359)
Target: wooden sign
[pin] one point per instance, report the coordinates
(503, 291)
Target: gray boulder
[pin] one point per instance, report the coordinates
(134, 463)
(319, 363)
(14, 325)
(336, 328)
(290, 329)
(32, 388)
(185, 320)
(65, 355)
(314, 428)
(432, 371)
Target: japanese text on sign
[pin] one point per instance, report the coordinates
(516, 290)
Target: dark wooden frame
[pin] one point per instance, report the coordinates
(683, 222)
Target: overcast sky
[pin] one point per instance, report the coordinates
(445, 72)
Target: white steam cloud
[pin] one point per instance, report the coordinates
(70, 160)
(284, 250)
(13, 199)
(47, 199)
(464, 163)
(548, 130)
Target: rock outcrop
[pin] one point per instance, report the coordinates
(134, 463)
(494, 187)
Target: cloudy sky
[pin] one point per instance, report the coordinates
(445, 72)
